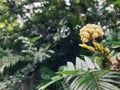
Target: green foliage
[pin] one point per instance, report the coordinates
(117, 2)
(84, 79)
(37, 37)
(93, 80)
(54, 79)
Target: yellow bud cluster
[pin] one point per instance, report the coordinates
(90, 32)
(107, 50)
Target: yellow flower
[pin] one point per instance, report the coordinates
(107, 50)
(85, 39)
(87, 47)
(95, 35)
(99, 47)
(90, 32)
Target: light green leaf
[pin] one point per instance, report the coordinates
(69, 72)
(99, 62)
(34, 39)
(117, 2)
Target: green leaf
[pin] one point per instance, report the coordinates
(117, 2)
(94, 80)
(69, 72)
(34, 39)
(99, 62)
(1, 1)
(45, 48)
(54, 79)
(116, 43)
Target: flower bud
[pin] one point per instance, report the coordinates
(107, 50)
(84, 40)
(86, 35)
(95, 35)
(90, 32)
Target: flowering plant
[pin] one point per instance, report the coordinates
(89, 34)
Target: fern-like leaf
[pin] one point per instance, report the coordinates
(8, 60)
